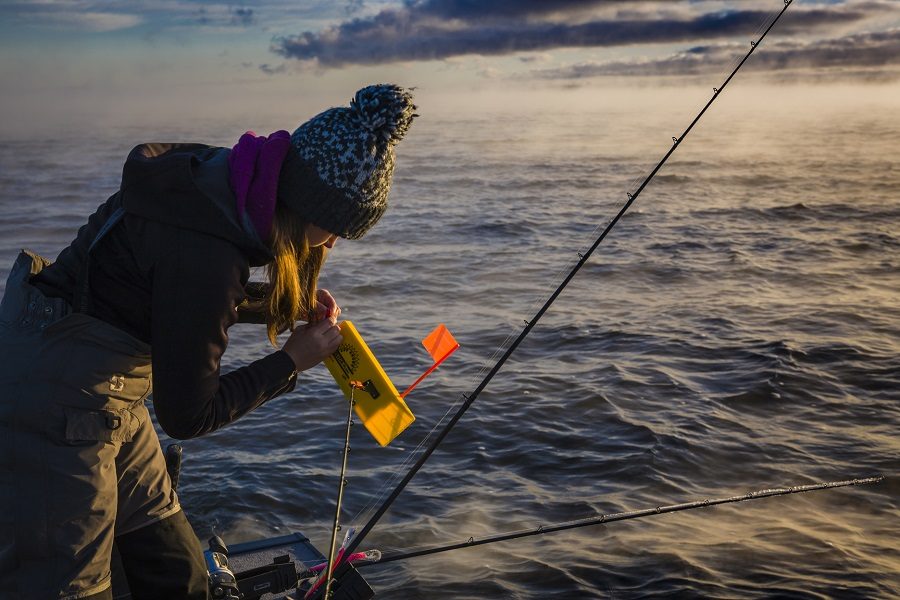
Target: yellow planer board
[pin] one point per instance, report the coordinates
(378, 405)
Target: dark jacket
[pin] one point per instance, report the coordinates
(172, 273)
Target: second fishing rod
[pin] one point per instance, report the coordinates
(468, 399)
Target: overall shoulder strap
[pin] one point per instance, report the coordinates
(83, 301)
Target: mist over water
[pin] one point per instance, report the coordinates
(738, 330)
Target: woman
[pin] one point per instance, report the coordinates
(151, 284)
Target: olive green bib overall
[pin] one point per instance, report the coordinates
(80, 461)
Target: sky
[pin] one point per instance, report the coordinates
(83, 60)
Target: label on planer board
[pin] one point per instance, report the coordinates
(378, 404)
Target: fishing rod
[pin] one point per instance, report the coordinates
(529, 325)
(387, 557)
(343, 482)
(286, 578)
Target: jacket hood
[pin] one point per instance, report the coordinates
(186, 185)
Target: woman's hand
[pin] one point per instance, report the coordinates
(309, 344)
(326, 305)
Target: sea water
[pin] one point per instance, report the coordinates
(738, 330)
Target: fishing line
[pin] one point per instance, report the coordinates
(486, 363)
(398, 469)
(468, 399)
(398, 472)
(387, 557)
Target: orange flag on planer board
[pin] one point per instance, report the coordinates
(440, 344)
(360, 376)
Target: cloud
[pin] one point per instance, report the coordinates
(859, 53)
(243, 17)
(489, 73)
(534, 58)
(439, 29)
(273, 70)
(219, 16)
(96, 22)
(480, 9)
(110, 15)
(353, 6)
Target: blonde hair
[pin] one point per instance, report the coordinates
(292, 275)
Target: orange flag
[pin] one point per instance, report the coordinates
(440, 344)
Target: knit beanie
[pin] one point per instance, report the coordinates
(338, 174)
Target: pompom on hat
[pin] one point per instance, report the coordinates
(338, 173)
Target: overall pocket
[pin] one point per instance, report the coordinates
(91, 426)
(93, 365)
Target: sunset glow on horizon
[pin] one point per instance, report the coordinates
(71, 60)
